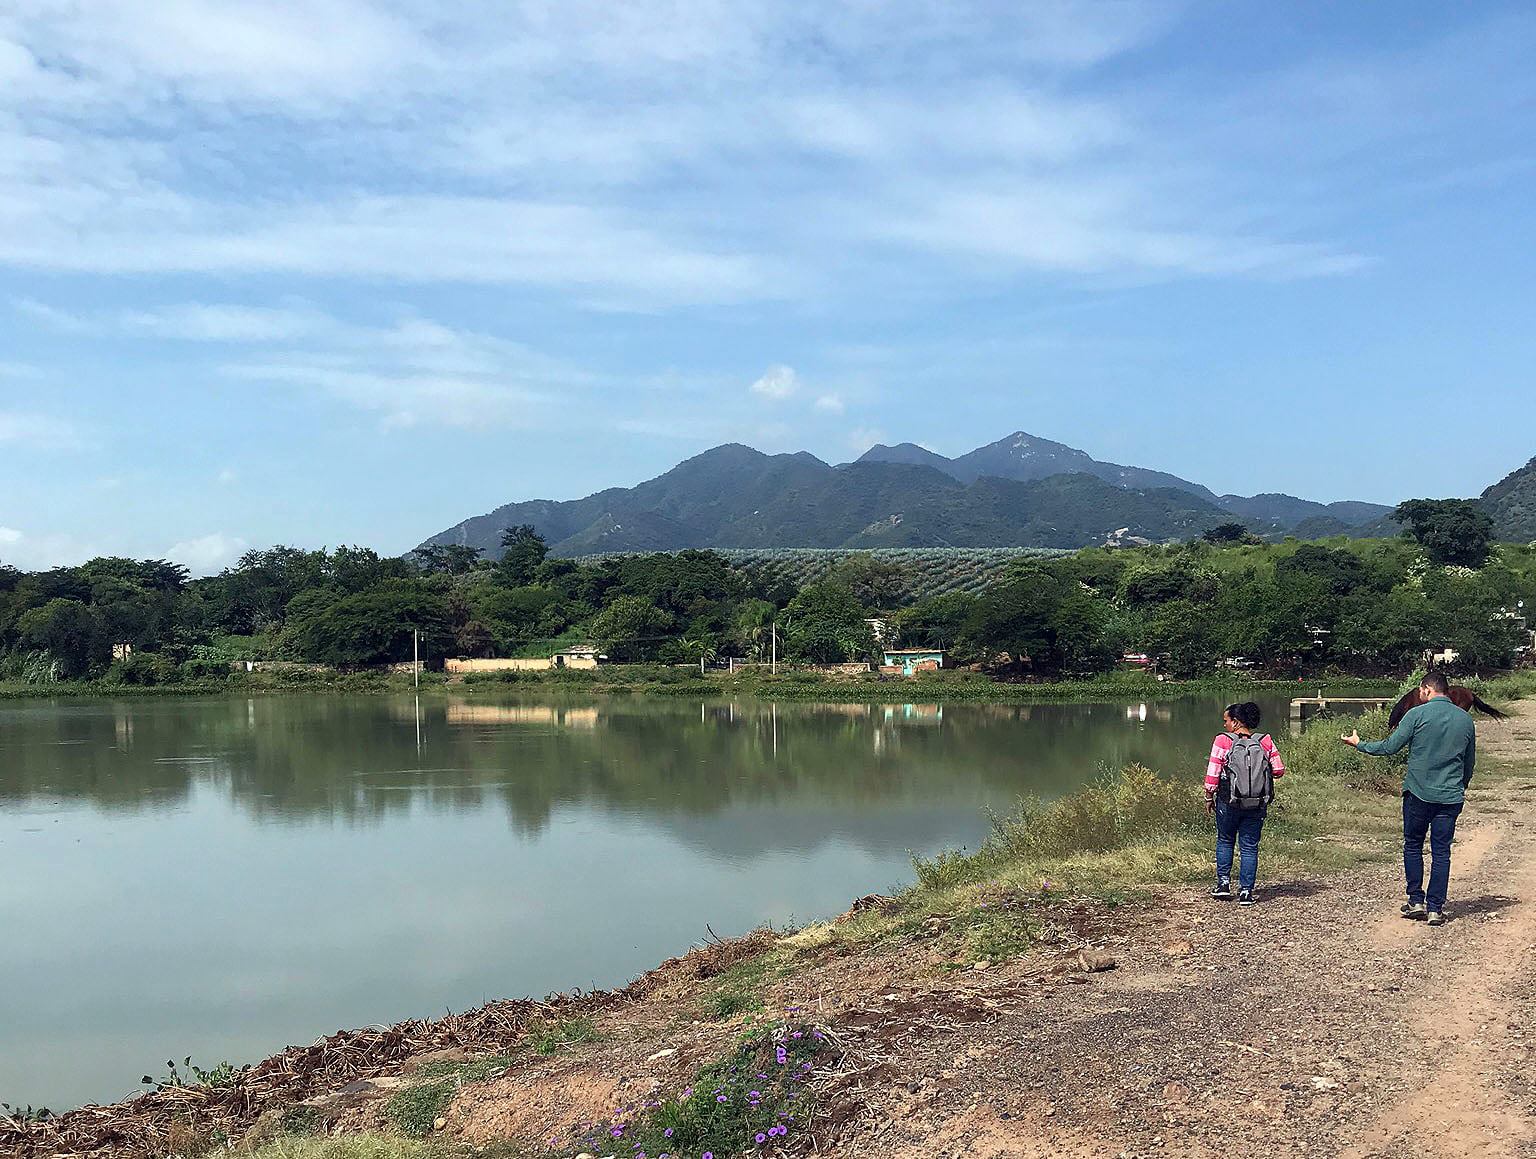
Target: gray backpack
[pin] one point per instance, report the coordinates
(1248, 779)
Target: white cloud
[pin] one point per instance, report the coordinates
(554, 146)
(830, 404)
(228, 477)
(207, 553)
(32, 431)
(272, 52)
(52, 549)
(777, 382)
(412, 371)
(220, 323)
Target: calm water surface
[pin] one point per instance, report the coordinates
(222, 878)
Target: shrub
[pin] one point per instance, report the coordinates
(1132, 806)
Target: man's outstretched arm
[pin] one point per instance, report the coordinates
(1395, 743)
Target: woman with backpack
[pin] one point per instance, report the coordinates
(1239, 785)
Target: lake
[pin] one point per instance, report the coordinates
(224, 877)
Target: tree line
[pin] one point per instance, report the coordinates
(1290, 608)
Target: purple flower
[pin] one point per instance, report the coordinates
(762, 1138)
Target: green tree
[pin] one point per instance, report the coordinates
(377, 626)
(522, 551)
(447, 558)
(631, 628)
(68, 631)
(826, 625)
(937, 622)
(1455, 531)
(1186, 638)
(877, 584)
(1229, 533)
(751, 624)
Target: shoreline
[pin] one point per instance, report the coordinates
(1044, 885)
(648, 680)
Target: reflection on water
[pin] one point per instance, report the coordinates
(223, 877)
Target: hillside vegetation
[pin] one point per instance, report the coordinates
(1347, 606)
(1512, 504)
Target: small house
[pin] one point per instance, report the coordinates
(580, 656)
(909, 661)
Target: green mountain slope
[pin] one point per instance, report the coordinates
(1512, 503)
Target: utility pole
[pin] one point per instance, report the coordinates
(773, 635)
(416, 656)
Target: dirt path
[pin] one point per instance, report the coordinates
(1317, 1023)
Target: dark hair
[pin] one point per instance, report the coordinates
(1246, 714)
(1435, 681)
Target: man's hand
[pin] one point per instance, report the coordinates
(1210, 802)
(1352, 738)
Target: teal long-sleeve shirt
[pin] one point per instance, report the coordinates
(1442, 750)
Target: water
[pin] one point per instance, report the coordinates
(221, 878)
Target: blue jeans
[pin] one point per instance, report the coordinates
(1438, 822)
(1242, 827)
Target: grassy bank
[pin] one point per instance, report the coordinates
(235, 684)
(663, 680)
(945, 687)
(1121, 839)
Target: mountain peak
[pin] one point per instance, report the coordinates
(905, 453)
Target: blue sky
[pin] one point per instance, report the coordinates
(326, 271)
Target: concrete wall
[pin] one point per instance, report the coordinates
(465, 666)
(538, 664)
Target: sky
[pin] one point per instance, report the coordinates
(348, 271)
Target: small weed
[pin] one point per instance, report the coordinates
(414, 1110)
(549, 1037)
(999, 931)
(299, 1120)
(216, 1076)
(725, 1004)
(27, 1114)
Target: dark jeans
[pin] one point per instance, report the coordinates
(1242, 827)
(1438, 822)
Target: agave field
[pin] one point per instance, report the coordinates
(929, 571)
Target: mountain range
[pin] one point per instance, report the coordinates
(1019, 491)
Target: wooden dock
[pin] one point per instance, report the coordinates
(1305, 706)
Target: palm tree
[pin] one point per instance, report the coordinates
(700, 646)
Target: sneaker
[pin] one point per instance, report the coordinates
(1414, 910)
(1245, 897)
(1222, 891)
(1436, 918)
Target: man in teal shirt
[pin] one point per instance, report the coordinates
(1442, 749)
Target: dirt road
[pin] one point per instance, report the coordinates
(1317, 1023)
